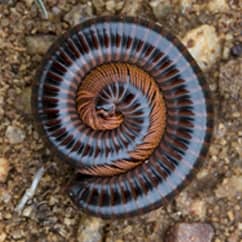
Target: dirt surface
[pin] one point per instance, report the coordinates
(213, 197)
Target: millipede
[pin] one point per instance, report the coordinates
(122, 101)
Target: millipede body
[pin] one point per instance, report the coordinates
(124, 103)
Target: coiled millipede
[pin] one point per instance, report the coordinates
(122, 101)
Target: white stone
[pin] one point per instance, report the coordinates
(27, 211)
(15, 135)
(216, 6)
(204, 45)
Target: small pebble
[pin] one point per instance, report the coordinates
(56, 10)
(68, 221)
(90, 230)
(240, 226)
(17, 234)
(4, 169)
(79, 13)
(5, 195)
(236, 236)
(24, 101)
(161, 8)
(27, 211)
(198, 208)
(204, 45)
(230, 215)
(189, 206)
(230, 187)
(98, 6)
(236, 50)
(194, 232)
(185, 5)
(3, 236)
(132, 8)
(39, 44)
(218, 6)
(29, 2)
(14, 135)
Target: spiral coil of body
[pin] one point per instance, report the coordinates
(124, 103)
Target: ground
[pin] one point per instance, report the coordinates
(215, 194)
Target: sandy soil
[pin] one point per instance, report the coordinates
(213, 197)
